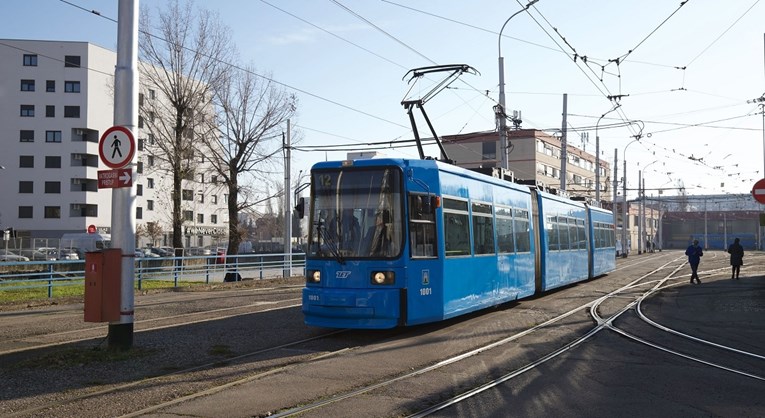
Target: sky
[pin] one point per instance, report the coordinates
(684, 74)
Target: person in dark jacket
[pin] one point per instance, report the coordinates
(736, 252)
(694, 254)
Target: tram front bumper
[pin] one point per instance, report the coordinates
(352, 308)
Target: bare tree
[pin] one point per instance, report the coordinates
(251, 112)
(183, 57)
(151, 230)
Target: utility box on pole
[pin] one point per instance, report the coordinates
(103, 270)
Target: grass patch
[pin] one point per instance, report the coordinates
(13, 293)
(220, 350)
(82, 357)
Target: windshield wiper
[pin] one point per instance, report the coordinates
(330, 243)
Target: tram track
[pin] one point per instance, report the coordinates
(296, 366)
(37, 338)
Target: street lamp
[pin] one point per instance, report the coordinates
(597, 156)
(641, 207)
(500, 113)
(625, 220)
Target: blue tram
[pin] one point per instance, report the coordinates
(401, 242)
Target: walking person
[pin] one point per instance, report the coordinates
(736, 252)
(694, 254)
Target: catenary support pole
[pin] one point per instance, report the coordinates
(123, 198)
(563, 146)
(287, 206)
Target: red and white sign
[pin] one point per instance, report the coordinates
(117, 147)
(758, 191)
(112, 179)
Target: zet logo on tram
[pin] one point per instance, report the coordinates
(342, 274)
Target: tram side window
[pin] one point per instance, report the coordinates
(563, 233)
(582, 234)
(610, 238)
(505, 230)
(422, 228)
(551, 228)
(456, 227)
(483, 228)
(521, 230)
(573, 234)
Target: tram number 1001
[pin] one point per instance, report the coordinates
(425, 291)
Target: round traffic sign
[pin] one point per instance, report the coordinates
(758, 191)
(117, 147)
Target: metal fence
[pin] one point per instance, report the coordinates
(196, 269)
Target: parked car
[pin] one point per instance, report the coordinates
(196, 251)
(6, 255)
(159, 252)
(37, 255)
(69, 254)
(145, 253)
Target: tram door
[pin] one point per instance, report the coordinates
(538, 229)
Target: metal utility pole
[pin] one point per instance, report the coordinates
(640, 212)
(614, 189)
(500, 113)
(123, 199)
(625, 220)
(597, 161)
(563, 146)
(287, 206)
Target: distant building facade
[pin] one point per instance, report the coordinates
(57, 101)
(534, 155)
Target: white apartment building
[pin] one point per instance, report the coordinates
(56, 99)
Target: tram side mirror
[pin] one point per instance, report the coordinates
(300, 208)
(429, 205)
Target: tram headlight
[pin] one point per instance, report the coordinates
(383, 277)
(313, 276)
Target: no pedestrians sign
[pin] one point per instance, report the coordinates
(117, 147)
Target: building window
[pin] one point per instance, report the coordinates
(52, 161)
(26, 161)
(188, 215)
(187, 195)
(25, 212)
(139, 167)
(27, 136)
(53, 212)
(214, 199)
(71, 86)
(213, 219)
(140, 144)
(150, 160)
(50, 86)
(202, 177)
(27, 110)
(71, 111)
(72, 61)
(30, 60)
(489, 150)
(140, 122)
(150, 183)
(27, 85)
(150, 138)
(149, 205)
(200, 218)
(152, 94)
(139, 212)
(214, 179)
(50, 111)
(52, 136)
(52, 187)
(139, 190)
(201, 197)
(26, 187)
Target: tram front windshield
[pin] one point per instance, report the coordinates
(356, 213)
